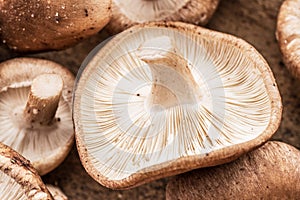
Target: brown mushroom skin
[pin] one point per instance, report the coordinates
(21, 170)
(269, 172)
(288, 35)
(40, 25)
(197, 12)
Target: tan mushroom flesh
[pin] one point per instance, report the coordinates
(35, 110)
(288, 35)
(164, 98)
(126, 13)
(19, 180)
(38, 25)
(269, 172)
(56, 192)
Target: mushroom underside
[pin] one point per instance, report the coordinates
(38, 127)
(127, 13)
(137, 115)
(10, 189)
(34, 142)
(288, 35)
(19, 180)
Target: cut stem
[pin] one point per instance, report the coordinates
(173, 82)
(43, 99)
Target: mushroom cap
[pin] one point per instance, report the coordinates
(126, 13)
(56, 192)
(269, 172)
(124, 141)
(19, 180)
(39, 25)
(45, 146)
(288, 35)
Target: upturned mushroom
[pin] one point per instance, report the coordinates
(288, 35)
(39, 25)
(269, 172)
(35, 110)
(126, 13)
(19, 180)
(161, 98)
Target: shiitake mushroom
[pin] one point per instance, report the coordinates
(39, 25)
(269, 172)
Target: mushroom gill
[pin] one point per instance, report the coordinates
(164, 98)
(19, 180)
(288, 35)
(35, 111)
(126, 13)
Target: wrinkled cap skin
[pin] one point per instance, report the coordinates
(45, 146)
(164, 98)
(40, 25)
(19, 180)
(288, 35)
(269, 172)
(126, 13)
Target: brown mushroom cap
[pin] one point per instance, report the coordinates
(269, 172)
(126, 13)
(45, 145)
(163, 98)
(288, 35)
(35, 25)
(19, 180)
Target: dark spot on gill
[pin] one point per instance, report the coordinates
(6, 170)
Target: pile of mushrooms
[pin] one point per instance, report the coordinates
(164, 98)
(126, 13)
(39, 25)
(35, 110)
(269, 172)
(288, 35)
(159, 99)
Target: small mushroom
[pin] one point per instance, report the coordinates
(288, 35)
(39, 25)
(35, 110)
(19, 180)
(126, 13)
(269, 172)
(56, 192)
(163, 98)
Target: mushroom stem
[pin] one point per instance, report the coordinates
(43, 99)
(173, 81)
